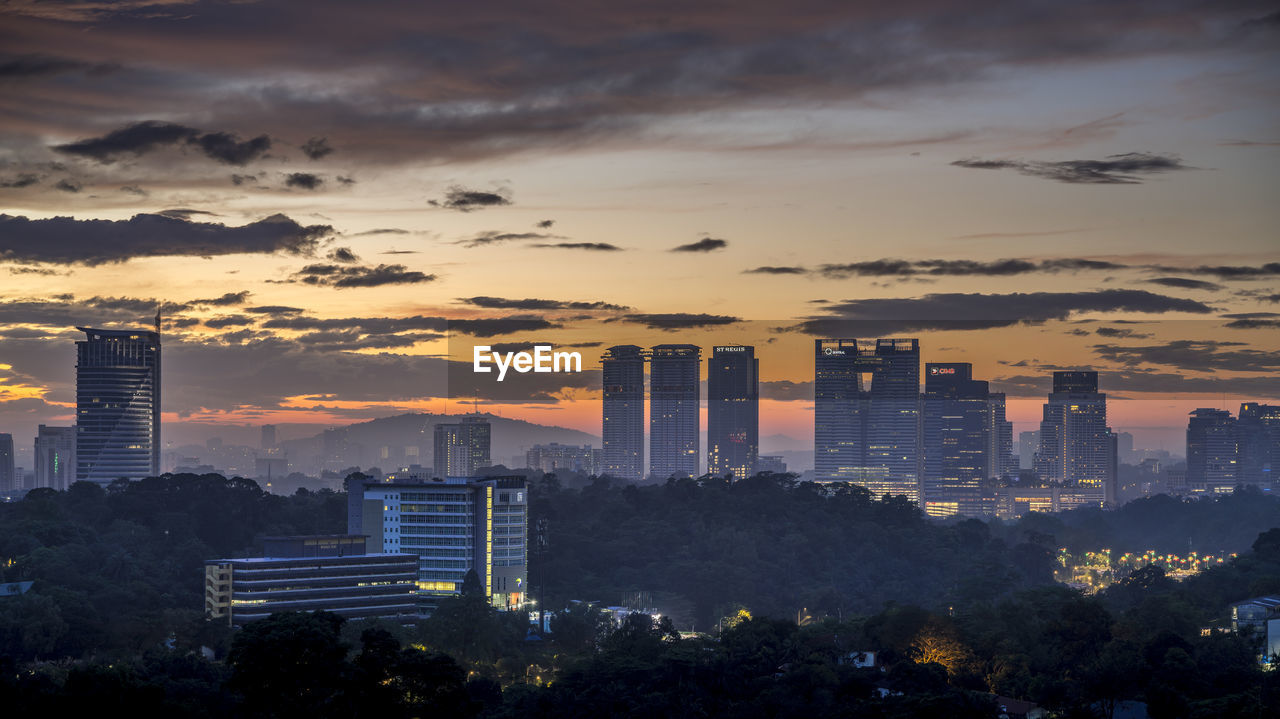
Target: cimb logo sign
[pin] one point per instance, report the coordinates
(542, 360)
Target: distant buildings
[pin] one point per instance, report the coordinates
(1259, 440)
(733, 411)
(555, 457)
(1213, 452)
(675, 408)
(1028, 445)
(117, 404)
(8, 473)
(623, 412)
(771, 463)
(268, 436)
(1076, 446)
(462, 449)
(453, 526)
(312, 573)
(55, 457)
(1259, 618)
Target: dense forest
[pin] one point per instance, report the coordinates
(785, 585)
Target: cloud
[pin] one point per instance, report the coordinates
(491, 237)
(26, 179)
(382, 231)
(316, 148)
(544, 224)
(464, 200)
(501, 325)
(342, 254)
(66, 240)
(786, 390)
(1118, 332)
(1253, 320)
(973, 311)
(67, 185)
(37, 65)
(1184, 283)
(364, 325)
(1125, 169)
(706, 244)
(1225, 272)
(502, 303)
(303, 180)
(1194, 355)
(593, 246)
(275, 310)
(218, 323)
(676, 320)
(183, 213)
(327, 275)
(960, 268)
(141, 138)
(228, 299)
(772, 270)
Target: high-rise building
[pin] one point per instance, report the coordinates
(957, 439)
(774, 463)
(733, 411)
(268, 436)
(8, 473)
(1075, 446)
(55, 457)
(462, 449)
(622, 427)
(1213, 452)
(454, 526)
(675, 408)
(868, 436)
(1001, 461)
(1259, 435)
(1028, 446)
(117, 404)
(555, 457)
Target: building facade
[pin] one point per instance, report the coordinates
(553, 457)
(733, 411)
(1213, 452)
(117, 404)
(675, 409)
(622, 426)
(55, 457)
(957, 440)
(1259, 437)
(1076, 448)
(462, 449)
(308, 574)
(8, 472)
(839, 436)
(453, 527)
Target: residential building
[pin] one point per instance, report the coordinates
(462, 449)
(55, 457)
(8, 473)
(554, 457)
(1075, 443)
(622, 429)
(733, 411)
(675, 408)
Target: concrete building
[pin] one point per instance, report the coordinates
(55, 457)
(1259, 618)
(1259, 436)
(8, 472)
(733, 411)
(117, 404)
(554, 457)
(1076, 447)
(957, 440)
(675, 410)
(453, 526)
(462, 449)
(622, 427)
(1213, 452)
(312, 573)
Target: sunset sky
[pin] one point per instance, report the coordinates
(316, 195)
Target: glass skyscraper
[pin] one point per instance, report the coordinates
(1075, 444)
(957, 439)
(117, 404)
(1213, 452)
(622, 427)
(675, 407)
(733, 411)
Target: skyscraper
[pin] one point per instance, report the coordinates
(733, 411)
(675, 408)
(839, 439)
(1001, 460)
(893, 419)
(957, 439)
(622, 427)
(8, 482)
(55, 457)
(1213, 452)
(268, 436)
(463, 448)
(1259, 435)
(1075, 446)
(117, 404)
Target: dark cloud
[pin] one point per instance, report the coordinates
(218, 323)
(344, 277)
(303, 180)
(66, 240)
(345, 181)
(362, 325)
(67, 185)
(227, 300)
(399, 252)
(227, 148)
(1125, 169)
(134, 190)
(183, 213)
(342, 254)
(545, 224)
(25, 179)
(502, 303)
(501, 325)
(275, 310)
(1226, 272)
(382, 231)
(491, 237)
(593, 246)
(706, 244)
(1195, 355)
(957, 311)
(1253, 320)
(141, 138)
(46, 271)
(772, 270)
(1184, 283)
(1119, 332)
(786, 390)
(960, 268)
(677, 320)
(464, 200)
(1271, 298)
(1112, 381)
(316, 148)
(38, 65)
(342, 341)
(240, 180)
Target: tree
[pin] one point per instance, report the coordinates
(291, 664)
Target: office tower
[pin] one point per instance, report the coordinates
(462, 449)
(622, 427)
(8, 473)
(957, 439)
(733, 411)
(893, 419)
(556, 457)
(117, 404)
(839, 439)
(1124, 448)
(1075, 448)
(332, 573)
(1028, 446)
(268, 436)
(1001, 461)
(675, 406)
(1259, 434)
(1212, 452)
(454, 526)
(1113, 466)
(55, 457)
